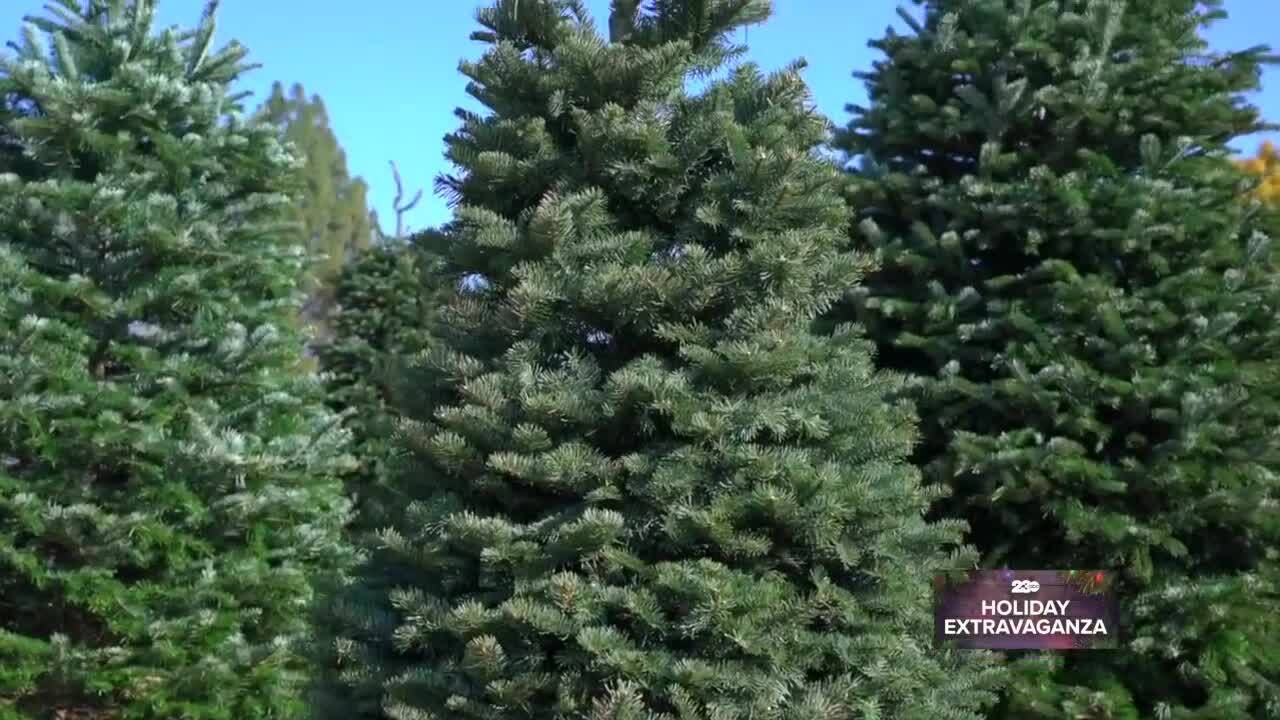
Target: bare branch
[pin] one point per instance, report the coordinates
(399, 205)
(395, 173)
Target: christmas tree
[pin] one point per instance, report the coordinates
(649, 488)
(1090, 307)
(169, 491)
(382, 318)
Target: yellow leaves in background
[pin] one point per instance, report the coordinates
(1266, 164)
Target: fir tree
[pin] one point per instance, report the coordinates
(382, 316)
(1091, 309)
(649, 489)
(169, 486)
(334, 208)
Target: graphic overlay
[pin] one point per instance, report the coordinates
(1026, 610)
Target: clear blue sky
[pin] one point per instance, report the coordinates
(387, 69)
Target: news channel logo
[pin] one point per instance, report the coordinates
(1026, 610)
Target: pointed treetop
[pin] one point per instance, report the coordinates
(543, 24)
(105, 34)
(622, 19)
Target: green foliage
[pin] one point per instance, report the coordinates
(383, 303)
(648, 488)
(1068, 267)
(169, 486)
(382, 318)
(332, 207)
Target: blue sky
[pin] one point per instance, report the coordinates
(387, 69)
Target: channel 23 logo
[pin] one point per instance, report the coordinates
(1021, 587)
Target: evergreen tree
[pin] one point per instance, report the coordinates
(1091, 311)
(383, 315)
(332, 206)
(649, 489)
(169, 489)
(381, 318)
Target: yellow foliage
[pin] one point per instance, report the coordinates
(1266, 165)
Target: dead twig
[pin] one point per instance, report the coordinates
(399, 206)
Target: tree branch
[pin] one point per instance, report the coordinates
(400, 206)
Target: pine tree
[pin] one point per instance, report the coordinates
(1091, 311)
(382, 317)
(650, 489)
(169, 490)
(334, 208)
